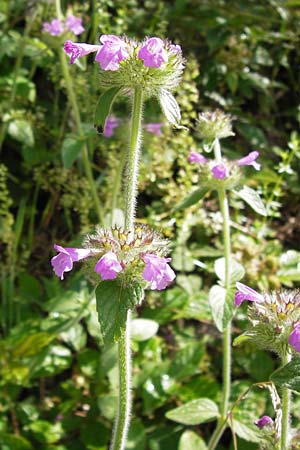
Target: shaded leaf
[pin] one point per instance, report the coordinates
(194, 412)
(103, 107)
(191, 199)
(70, 150)
(288, 376)
(14, 442)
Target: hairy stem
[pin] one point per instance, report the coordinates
(124, 406)
(286, 406)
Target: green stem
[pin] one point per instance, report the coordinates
(116, 186)
(85, 154)
(224, 207)
(124, 404)
(286, 406)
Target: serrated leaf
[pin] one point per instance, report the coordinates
(170, 107)
(191, 199)
(237, 271)
(288, 376)
(113, 301)
(222, 305)
(143, 329)
(194, 412)
(103, 107)
(189, 440)
(253, 199)
(70, 150)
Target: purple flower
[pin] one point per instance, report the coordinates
(153, 53)
(63, 262)
(246, 293)
(74, 24)
(157, 271)
(55, 27)
(220, 171)
(112, 52)
(110, 124)
(249, 160)
(175, 48)
(76, 49)
(195, 157)
(294, 338)
(108, 266)
(154, 128)
(263, 421)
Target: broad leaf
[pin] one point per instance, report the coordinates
(237, 271)
(189, 440)
(246, 431)
(103, 107)
(288, 376)
(170, 107)
(143, 329)
(21, 130)
(191, 199)
(222, 305)
(194, 412)
(113, 302)
(253, 199)
(70, 150)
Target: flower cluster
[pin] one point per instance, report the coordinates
(152, 64)
(274, 318)
(56, 27)
(117, 253)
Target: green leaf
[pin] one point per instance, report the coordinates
(237, 271)
(113, 302)
(143, 329)
(103, 107)
(191, 199)
(288, 376)
(253, 199)
(194, 412)
(191, 441)
(21, 130)
(14, 442)
(246, 431)
(222, 305)
(170, 107)
(240, 339)
(70, 150)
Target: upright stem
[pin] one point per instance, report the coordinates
(124, 405)
(286, 405)
(224, 207)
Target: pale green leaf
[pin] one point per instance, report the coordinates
(236, 271)
(21, 130)
(189, 440)
(170, 107)
(222, 305)
(194, 412)
(70, 150)
(143, 329)
(253, 199)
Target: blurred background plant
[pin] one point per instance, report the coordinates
(56, 392)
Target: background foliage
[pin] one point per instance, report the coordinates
(58, 383)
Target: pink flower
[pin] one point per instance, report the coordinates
(175, 48)
(110, 124)
(108, 266)
(154, 128)
(263, 421)
(220, 171)
(157, 271)
(246, 293)
(63, 262)
(76, 49)
(249, 160)
(74, 24)
(112, 52)
(195, 157)
(153, 53)
(294, 338)
(55, 27)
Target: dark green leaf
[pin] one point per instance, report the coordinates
(113, 302)
(191, 199)
(14, 442)
(70, 150)
(103, 107)
(194, 412)
(288, 376)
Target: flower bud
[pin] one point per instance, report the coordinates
(214, 125)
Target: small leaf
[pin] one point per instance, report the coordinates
(103, 107)
(189, 440)
(253, 199)
(194, 412)
(191, 199)
(240, 339)
(170, 107)
(237, 271)
(288, 376)
(21, 130)
(113, 302)
(222, 305)
(70, 150)
(143, 329)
